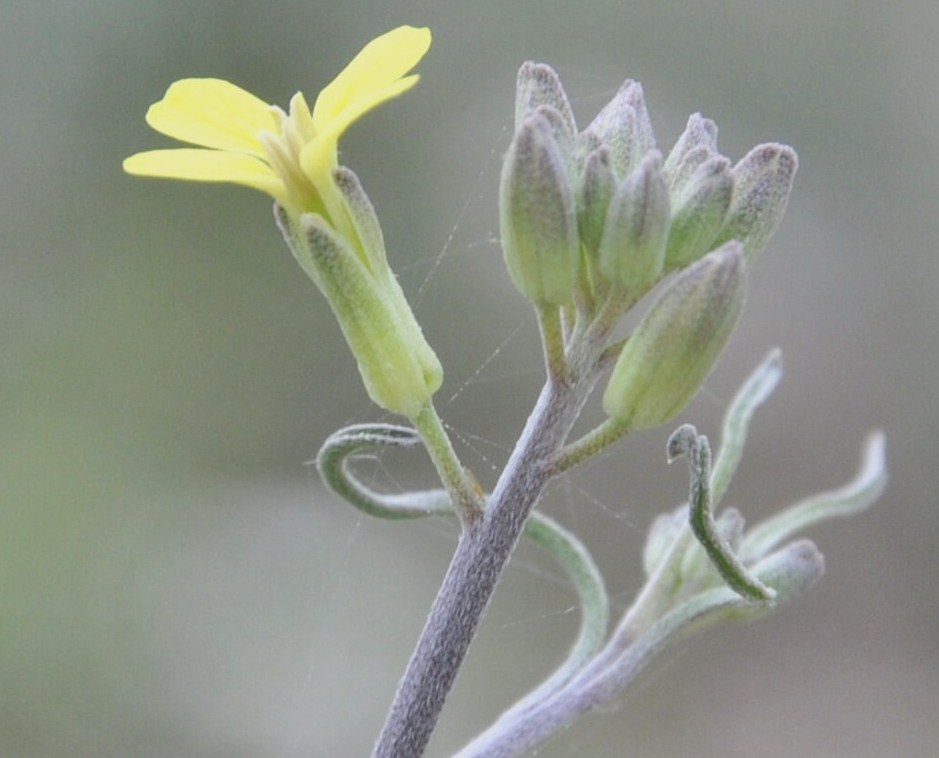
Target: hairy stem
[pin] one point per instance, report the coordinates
(552, 342)
(467, 502)
(589, 445)
(480, 557)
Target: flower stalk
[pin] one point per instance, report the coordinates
(465, 494)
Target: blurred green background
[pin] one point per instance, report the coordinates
(173, 580)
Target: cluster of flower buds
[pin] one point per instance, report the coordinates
(593, 219)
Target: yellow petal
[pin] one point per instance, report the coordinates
(197, 165)
(213, 113)
(381, 62)
(318, 157)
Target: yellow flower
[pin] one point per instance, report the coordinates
(327, 219)
(290, 156)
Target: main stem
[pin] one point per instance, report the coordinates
(477, 564)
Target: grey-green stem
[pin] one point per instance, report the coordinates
(563, 546)
(482, 554)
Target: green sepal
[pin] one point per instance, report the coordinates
(371, 241)
(391, 355)
(364, 220)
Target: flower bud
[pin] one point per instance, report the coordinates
(399, 369)
(538, 216)
(596, 191)
(632, 249)
(762, 183)
(678, 341)
(538, 85)
(625, 128)
(698, 212)
(695, 145)
(563, 138)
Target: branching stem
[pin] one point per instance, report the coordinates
(480, 557)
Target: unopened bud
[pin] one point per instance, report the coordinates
(625, 128)
(596, 193)
(538, 216)
(632, 249)
(698, 212)
(538, 85)
(676, 344)
(695, 145)
(762, 183)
